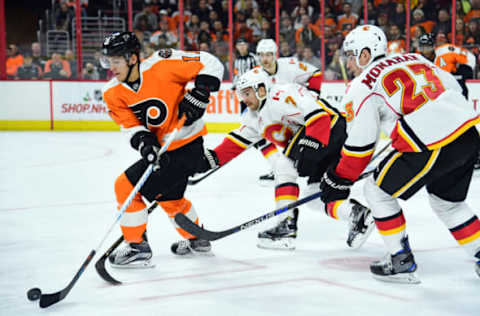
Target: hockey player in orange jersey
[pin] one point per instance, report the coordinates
(147, 99)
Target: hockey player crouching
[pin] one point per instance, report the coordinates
(147, 100)
(433, 133)
(280, 71)
(311, 133)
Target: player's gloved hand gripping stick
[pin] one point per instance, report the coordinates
(50, 299)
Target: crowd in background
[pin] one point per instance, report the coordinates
(156, 24)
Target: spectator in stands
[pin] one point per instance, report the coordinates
(242, 30)
(146, 20)
(459, 33)
(204, 35)
(90, 72)
(297, 22)
(302, 4)
(308, 34)
(72, 61)
(348, 20)
(443, 24)
(419, 20)
(224, 12)
(202, 10)
(287, 30)
(164, 37)
(396, 41)
(440, 39)
(57, 68)
(428, 7)
(417, 32)
(399, 18)
(266, 30)
(333, 71)
(473, 32)
(382, 22)
(37, 57)
(204, 47)
(28, 70)
(310, 58)
(63, 17)
(299, 51)
(255, 20)
(14, 60)
(385, 6)
(285, 50)
(372, 14)
(474, 13)
(246, 6)
(332, 45)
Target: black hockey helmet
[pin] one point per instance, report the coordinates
(426, 40)
(120, 44)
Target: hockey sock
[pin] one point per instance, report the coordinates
(180, 206)
(134, 221)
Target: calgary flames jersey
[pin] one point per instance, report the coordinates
(154, 105)
(290, 70)
(418, 104)
(287, 108)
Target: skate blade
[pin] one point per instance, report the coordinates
(280, 244)
(134, 265)
(362, 238)
(406, 278)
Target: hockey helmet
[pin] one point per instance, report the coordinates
(267, 45)
(254, 78)
(119, 44)
(425, 40)
(366, 36)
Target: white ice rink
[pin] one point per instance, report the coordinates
(57, 202)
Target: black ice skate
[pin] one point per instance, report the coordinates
(360, 226)
(267, 180)
(132, 255)
(191, 246)
(281, 236)
(399, 267)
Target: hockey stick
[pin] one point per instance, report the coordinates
(209, 173)
(50, 299)
(100, 264)
(184, 222)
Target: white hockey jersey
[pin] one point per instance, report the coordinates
(290, 70)
(418, 104)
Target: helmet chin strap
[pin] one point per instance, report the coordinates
(130, 68)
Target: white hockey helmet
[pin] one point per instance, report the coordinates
(267, 45)
(253, 78)
(366, 36)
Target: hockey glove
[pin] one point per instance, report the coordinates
(310, 153)
(147, 144)
(208, 161)
(314, 83)
(193, 105)
(334, 187)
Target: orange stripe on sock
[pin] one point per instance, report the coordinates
(133, 234)
(123, 188)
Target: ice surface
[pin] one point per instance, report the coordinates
(57, 202)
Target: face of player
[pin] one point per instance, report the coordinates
(119, 67)
(267, 60)
(249, 97)
(352, 66)
(426, 51)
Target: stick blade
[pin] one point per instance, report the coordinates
(199, 232)
(47, 300)
(103, 273)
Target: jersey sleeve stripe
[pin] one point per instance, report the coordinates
(239, 140)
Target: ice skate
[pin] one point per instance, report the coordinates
(398, 268)
(132, 255)
(282, 236)
(360, 226)
(267, 180)
(191, 246)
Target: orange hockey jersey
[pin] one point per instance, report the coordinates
(154, 106)
(449, 56)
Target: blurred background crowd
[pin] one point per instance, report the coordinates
(53, 54)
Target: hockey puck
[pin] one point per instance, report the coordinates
(34, 294)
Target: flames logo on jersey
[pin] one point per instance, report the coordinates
(151, 112)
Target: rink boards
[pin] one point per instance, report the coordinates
(78, 105)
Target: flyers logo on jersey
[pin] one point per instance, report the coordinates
(151, 112)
